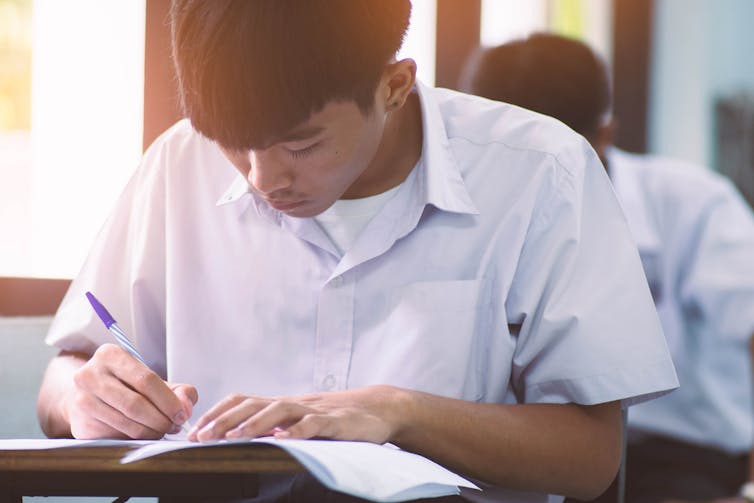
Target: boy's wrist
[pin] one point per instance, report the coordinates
(402, 416)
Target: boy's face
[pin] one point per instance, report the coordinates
(324, 159)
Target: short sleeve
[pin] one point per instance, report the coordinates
(125, 265)
(589, 332)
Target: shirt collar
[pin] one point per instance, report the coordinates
(238, 188)
(439, 179)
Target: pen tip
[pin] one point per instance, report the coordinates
(103, 314)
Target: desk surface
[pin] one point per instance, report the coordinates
(218, 471)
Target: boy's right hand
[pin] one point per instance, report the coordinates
(116, 396)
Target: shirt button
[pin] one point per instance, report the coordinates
(336, 281)
(328, 382)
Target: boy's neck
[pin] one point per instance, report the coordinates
(399, 150)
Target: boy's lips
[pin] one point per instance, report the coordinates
(284, 205)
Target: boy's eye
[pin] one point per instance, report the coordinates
(302, 152)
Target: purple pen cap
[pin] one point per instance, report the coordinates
(106, 317)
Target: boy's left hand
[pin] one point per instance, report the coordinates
(369, 414)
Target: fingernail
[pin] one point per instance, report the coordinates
(179, 418)
(282, 434)
(175, 429)
(235, 433)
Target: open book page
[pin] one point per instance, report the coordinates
(371, 471)
(25, 444)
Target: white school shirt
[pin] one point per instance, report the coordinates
(695, 234)
(501, 271)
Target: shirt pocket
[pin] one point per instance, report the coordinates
(437, 327)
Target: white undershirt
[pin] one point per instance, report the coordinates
(346, 218)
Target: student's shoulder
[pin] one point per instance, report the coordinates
(185, 153)
(179, 138)
(185, 159)
(486, 124)
(505, 153)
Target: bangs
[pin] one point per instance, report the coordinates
(250, 71)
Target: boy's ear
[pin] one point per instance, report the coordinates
(397, 81)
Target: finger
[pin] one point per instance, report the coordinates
(145, 382)
(188, 396)
(278, 414)
(231, 417)
(82, 416)
(96, 419)
(185, 392)
(137, 408)
(89, 429)
(132, 429)
(311, 426)
(216, 411)
(121, 397)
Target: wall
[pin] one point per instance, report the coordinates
(23, 358)
(702, 50)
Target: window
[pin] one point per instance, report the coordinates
(419, 43)
(15, 130)
(83, 137)
(588, 20)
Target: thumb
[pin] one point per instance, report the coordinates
(187, 394)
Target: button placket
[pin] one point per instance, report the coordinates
(334, 334)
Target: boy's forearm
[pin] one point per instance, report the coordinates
(56, 386)
(562, 449)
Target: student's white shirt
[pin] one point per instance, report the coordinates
(502, 270)
(695, 235)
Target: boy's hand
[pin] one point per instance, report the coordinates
(115, 396)
(369, 414)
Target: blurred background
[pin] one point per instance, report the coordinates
(86, 85)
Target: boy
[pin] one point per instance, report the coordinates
(386, 262)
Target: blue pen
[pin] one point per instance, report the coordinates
(120, 336)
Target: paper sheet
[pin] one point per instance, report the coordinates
(371, 471)
(26, 444)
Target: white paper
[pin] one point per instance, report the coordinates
(29, 444)
(376, 472)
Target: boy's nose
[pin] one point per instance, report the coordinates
(267, 175)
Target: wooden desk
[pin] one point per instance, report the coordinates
(219, 471)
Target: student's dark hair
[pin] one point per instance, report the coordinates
(550, 74)
(251, 70)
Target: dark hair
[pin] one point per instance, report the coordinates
(251, 70)
(550, 74)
